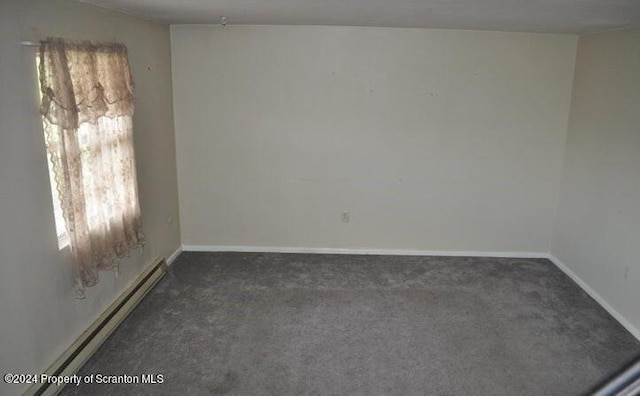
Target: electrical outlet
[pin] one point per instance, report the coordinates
(626, 273)
(345, 217)
(170, 220)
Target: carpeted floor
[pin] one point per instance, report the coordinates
(294, 324)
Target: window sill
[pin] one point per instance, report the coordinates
(63, 241)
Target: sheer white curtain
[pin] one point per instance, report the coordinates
(87, 106)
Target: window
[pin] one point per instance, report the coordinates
(90, 147)
(87, 110)
(61, 230)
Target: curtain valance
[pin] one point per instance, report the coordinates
(83, 81)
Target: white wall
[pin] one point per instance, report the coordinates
(597, 233)
(432, 139)
(39, 315)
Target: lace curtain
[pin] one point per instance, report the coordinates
(87, 107)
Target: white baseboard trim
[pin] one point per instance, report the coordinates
(174, 255)
(359, 251)
(603, 303)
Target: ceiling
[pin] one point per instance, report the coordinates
(550, 16)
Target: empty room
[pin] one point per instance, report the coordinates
(320, 197)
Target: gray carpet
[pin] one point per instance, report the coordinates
(294, 324)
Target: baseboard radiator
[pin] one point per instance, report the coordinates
(82, 349)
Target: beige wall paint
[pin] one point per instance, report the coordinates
(40, 316)
(432, 139)
(598, 221)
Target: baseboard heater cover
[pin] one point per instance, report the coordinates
(91, 339)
